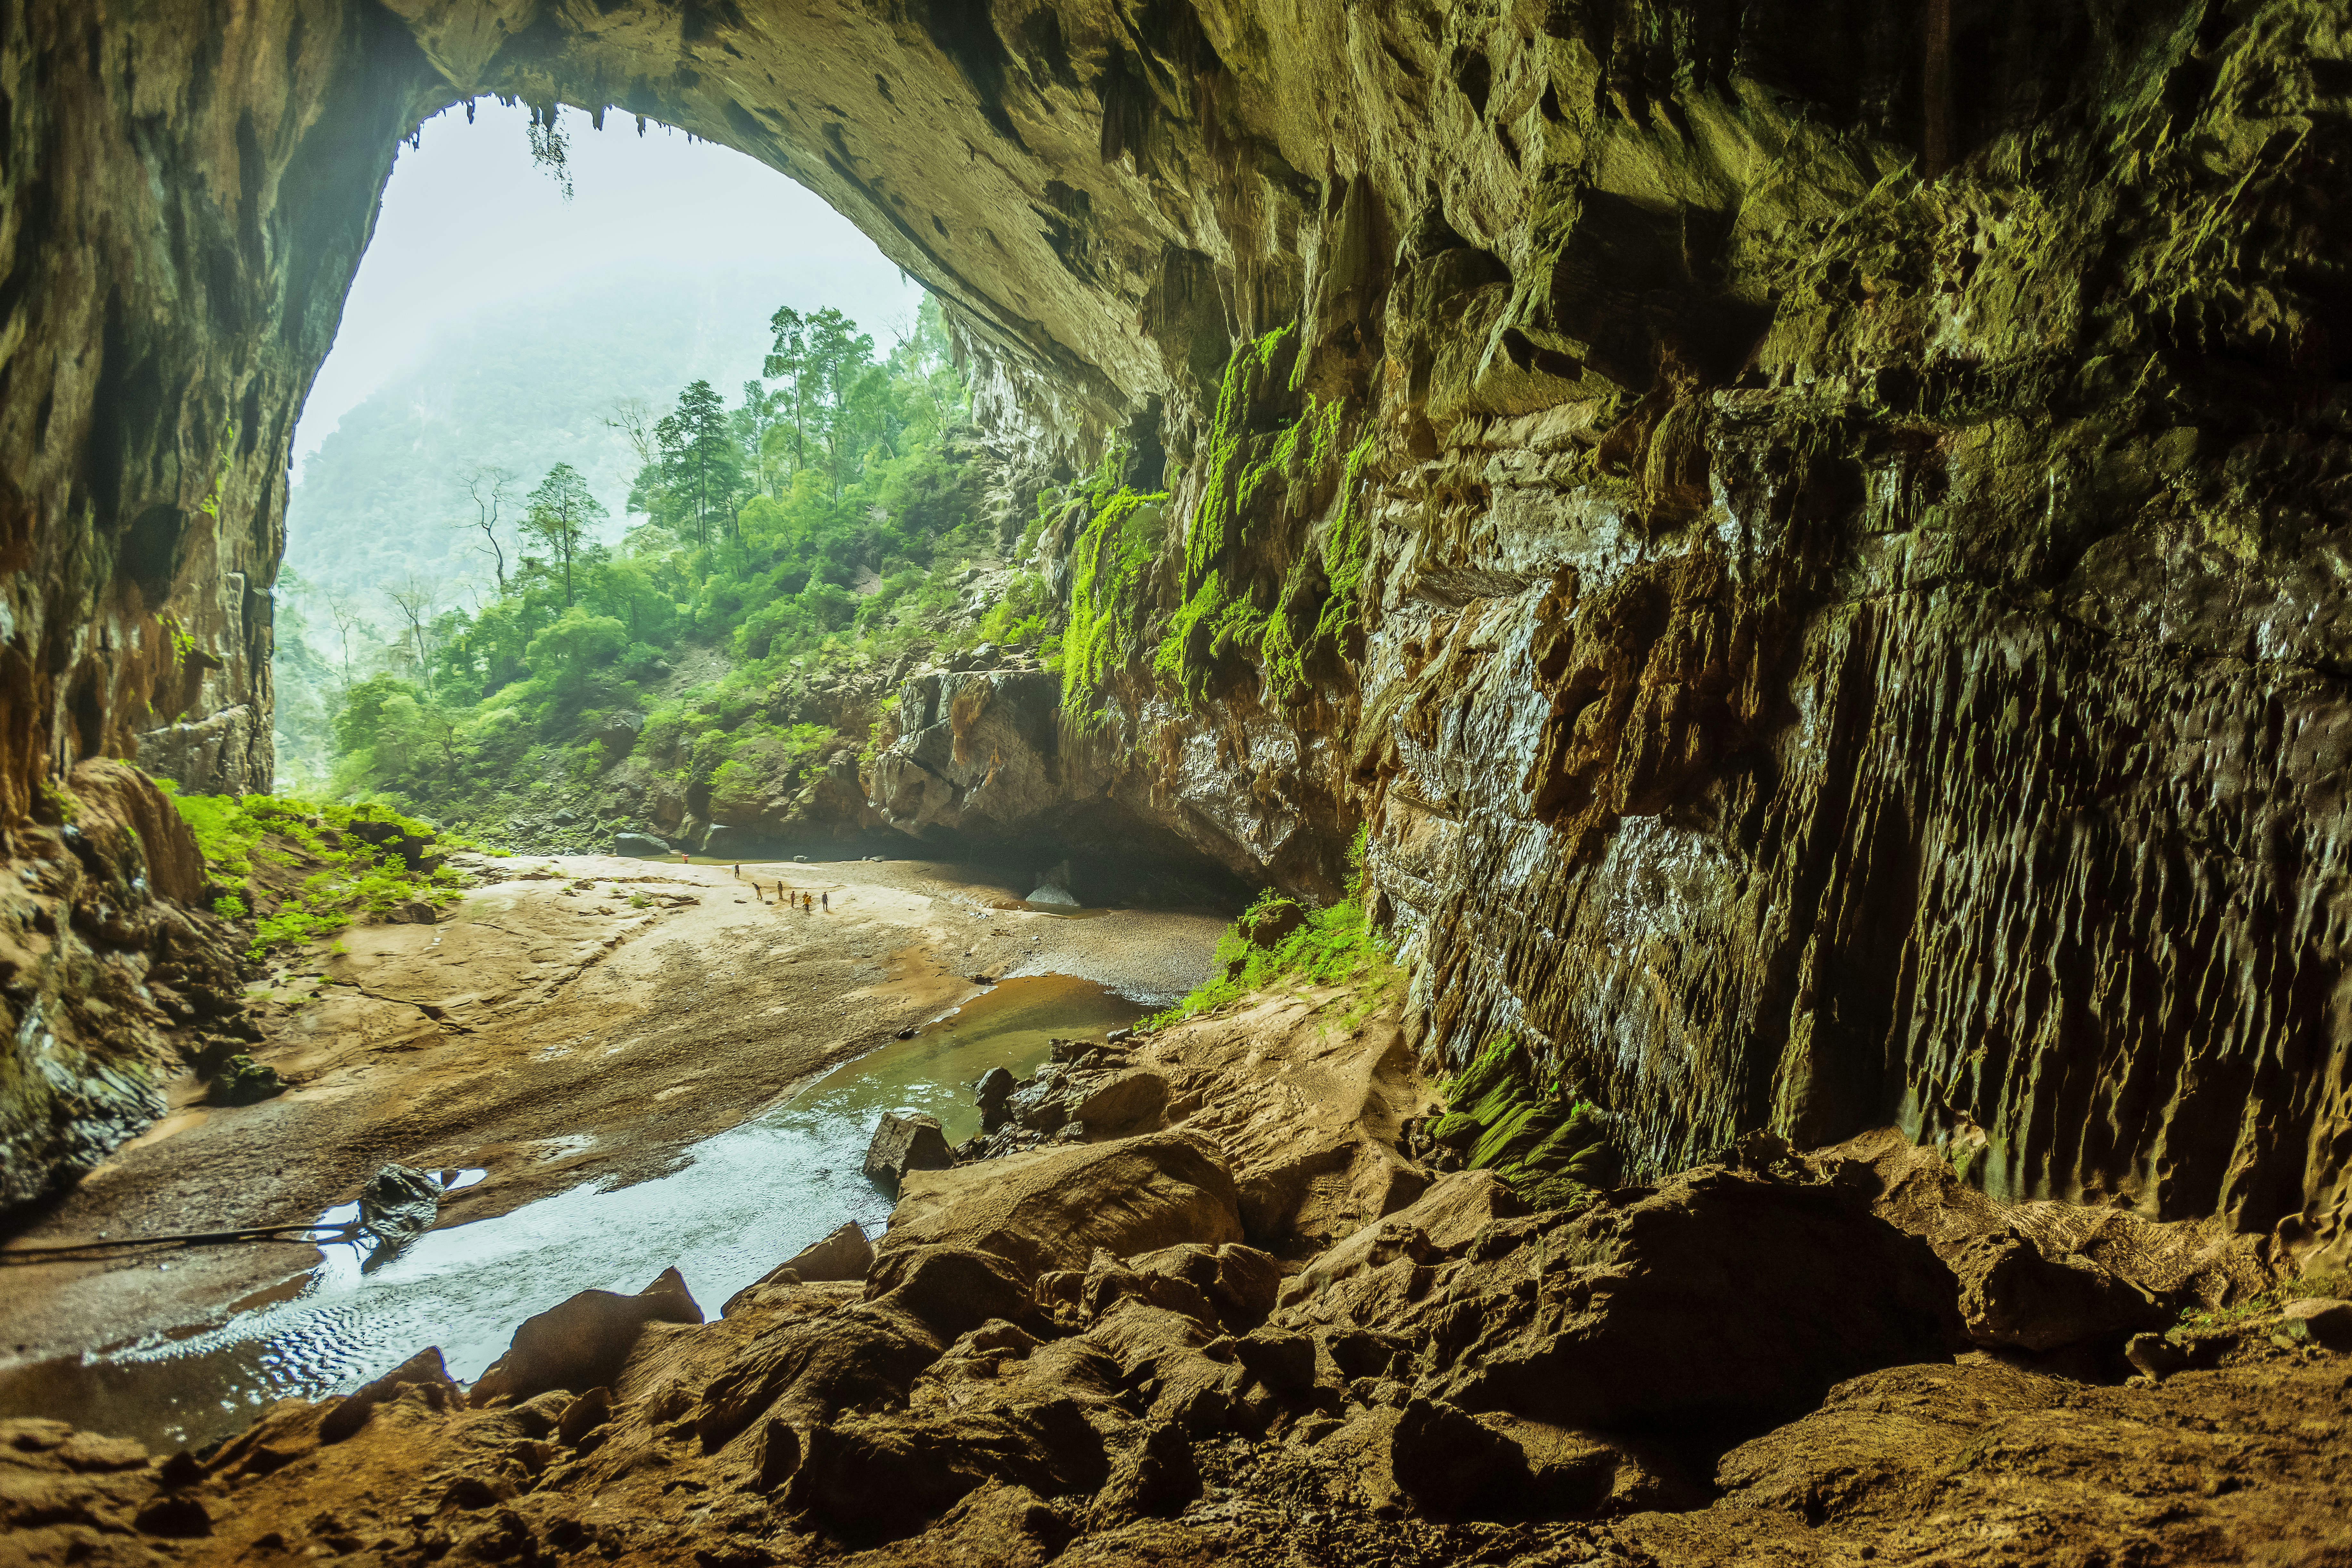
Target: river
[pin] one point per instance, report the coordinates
(730, 1209)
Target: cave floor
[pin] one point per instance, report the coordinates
(576, 1018)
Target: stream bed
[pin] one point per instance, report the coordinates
(736, 1205)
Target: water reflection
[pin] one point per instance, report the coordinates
(741, 1203)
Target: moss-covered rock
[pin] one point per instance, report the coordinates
(1550, 1147)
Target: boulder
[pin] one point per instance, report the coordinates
(640, 845)
(120, 808)
(241, 1081)
(1123, 1102)
(1446, 1217)
(846, 1254)
(994, 1089)
(949, 1290)
(1454, 1466)
(582, 1342)
(1052, 1209)
(1155, 1478)
(1717, 1305)
(2319, 1320)
(618, 734)
(1039, 1105)
(999, 1526)
(1237, 1284)
(1054, 885)
(725, 841)
(904, 1144)
(873, 1477)
(2012, 1295)
(397, 1205)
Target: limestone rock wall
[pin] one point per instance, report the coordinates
(184, 192)
(1809, 533)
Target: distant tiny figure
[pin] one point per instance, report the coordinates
(739, 873)
(681, 857)
(828, 902)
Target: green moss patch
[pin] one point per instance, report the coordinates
(304, 870)
(1550, 1147)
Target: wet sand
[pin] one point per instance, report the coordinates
(577, 1019)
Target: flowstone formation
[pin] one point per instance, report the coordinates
(1807, 536)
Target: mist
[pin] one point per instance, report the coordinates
(470, 227)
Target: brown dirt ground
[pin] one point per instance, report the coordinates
(552, 1036)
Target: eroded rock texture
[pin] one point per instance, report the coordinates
(114, 982)
(1809, 536)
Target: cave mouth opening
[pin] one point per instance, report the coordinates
(544, 291)
(539, 293)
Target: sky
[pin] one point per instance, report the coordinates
(470, 223)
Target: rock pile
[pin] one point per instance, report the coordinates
(1086, 1089)
(1227, 1332)
(1073, 1355)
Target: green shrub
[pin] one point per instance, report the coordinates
(1333, 946)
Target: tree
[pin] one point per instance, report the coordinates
(788, 361)
(492, 488)
(699, 457)
(347, 619)
(838, 355)
(633, 418)
(561, 512)
(754, 423)
(418, 599)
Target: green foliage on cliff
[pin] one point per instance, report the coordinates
(1253, 478)
(305, 871)
(1107, 568)
(1280, 942)
(1550, 1145)
(1250, 368)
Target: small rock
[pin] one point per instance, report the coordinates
(996, 1087)
(2321, 1319)
(178, 1518)
(2155, 1355)
(903, 1143)
(907, 1033)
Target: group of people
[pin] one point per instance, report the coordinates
(785, 894)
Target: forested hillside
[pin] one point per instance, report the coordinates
(722, 659)
(385, 496)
